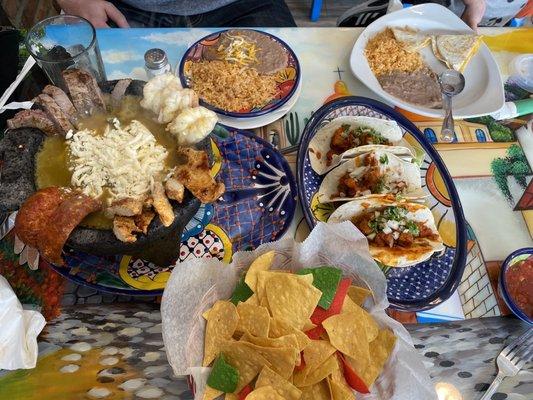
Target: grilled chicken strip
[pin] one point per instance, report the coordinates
(174, 190)
(63, 101)
(33, 119)
(162, 205)
(125, 207)
(143, 220)
(124, 229)
(196, 177)
(84, 91)
(54, 112)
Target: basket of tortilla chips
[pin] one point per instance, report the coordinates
(290, 321)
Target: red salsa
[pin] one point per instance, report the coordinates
(519, 281)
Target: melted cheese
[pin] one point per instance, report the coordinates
(124, 161)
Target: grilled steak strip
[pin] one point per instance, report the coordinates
(119, 91)
(33, 119)
(84, 91)
(54, 112)
(62, 100)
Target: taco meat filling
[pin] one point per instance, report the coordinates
(372, 182)
(391, 227)
(345, 138)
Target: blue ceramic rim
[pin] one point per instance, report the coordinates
(252, 114)
(456, 272)
(502, 284)
(64, 271)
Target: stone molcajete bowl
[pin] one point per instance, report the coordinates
(160, 245)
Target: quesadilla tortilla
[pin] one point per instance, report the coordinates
(411, 39)
(399, 233)
(455, 51)
(376, 172)
(334, 139)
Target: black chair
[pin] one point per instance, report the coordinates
(363, 14)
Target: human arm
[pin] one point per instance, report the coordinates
(473, 13)
(97, 12)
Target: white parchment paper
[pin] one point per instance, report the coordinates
(196, 284)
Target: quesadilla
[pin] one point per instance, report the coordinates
(376, 172)
(411, 39)
(455, 51)
(399, 233)
(348, 136)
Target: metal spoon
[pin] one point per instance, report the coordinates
(451, 83)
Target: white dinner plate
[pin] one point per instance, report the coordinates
(263, 120)
(483, 93)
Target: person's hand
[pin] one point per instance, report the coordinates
(97, 12)
(474, 11)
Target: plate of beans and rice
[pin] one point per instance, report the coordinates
(400, 56)
(241, 73)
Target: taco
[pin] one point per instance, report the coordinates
(399, 233)
(333, 140)
(376, 172)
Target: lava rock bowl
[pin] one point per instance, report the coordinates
(18, 150)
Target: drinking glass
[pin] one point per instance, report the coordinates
(62, 42)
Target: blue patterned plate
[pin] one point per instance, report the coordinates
(429, 283)
(258, 207)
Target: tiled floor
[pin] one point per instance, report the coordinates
(331, 10)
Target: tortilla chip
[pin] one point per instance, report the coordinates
(264, 393)
(316, 375)
(282, 341)
(291, 298)
(316, 353)
(308, 326)
(283, 387)
(337, 375)
(371, 326)
(281, 359)
(253, 300)
(253, 319)
(339, 391)
(205, 314)
(264, 276)
(211, 394)
(280, 327)
(261, 263)
(231, 396)
(358, 294)
(221, 325)
(247, 361)
(347, 333)
(380, 350)
(318, 391)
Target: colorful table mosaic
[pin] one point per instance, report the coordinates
(490, 163)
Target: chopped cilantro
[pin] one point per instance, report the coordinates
(413, 228)
(345, 128)
(394, 213)
(384, 159)
(379, 185)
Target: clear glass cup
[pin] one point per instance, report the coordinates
(62, 42)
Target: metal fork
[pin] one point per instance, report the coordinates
(511, 360)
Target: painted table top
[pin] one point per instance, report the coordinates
(128, 336)
(488, 203)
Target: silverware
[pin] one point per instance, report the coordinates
(290, 149)
(451, 83)
(511, 360)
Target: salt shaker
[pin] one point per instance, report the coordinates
(156, 62)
